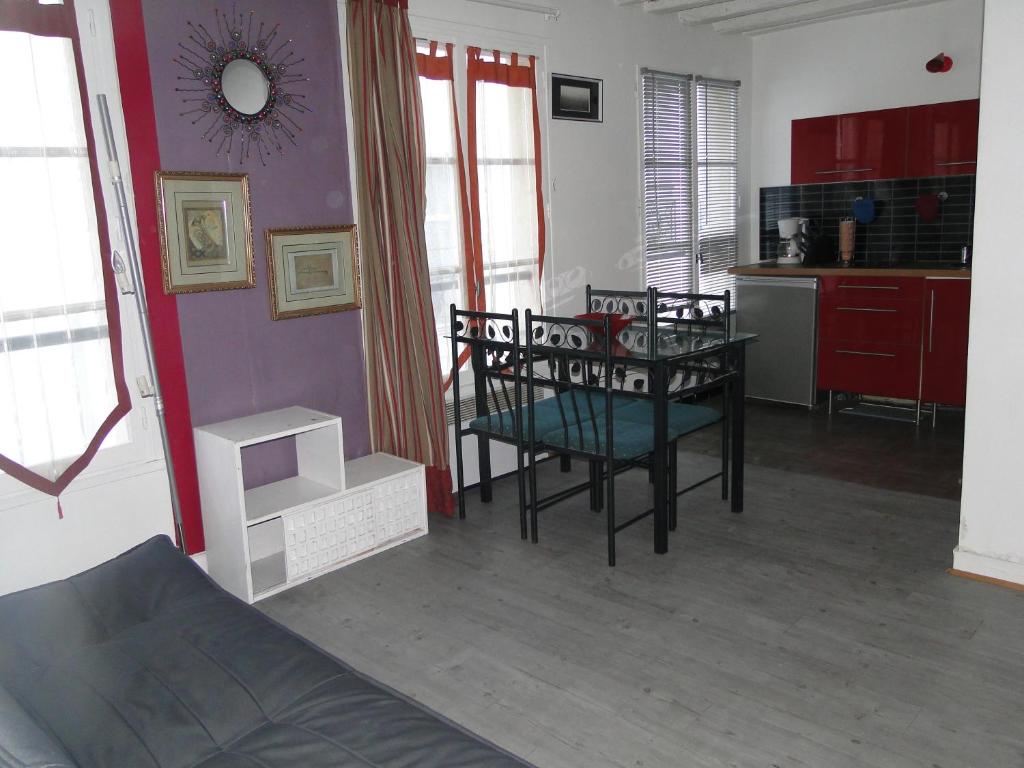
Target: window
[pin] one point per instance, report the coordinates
(57, 364)
(484, 223)
(689, 185)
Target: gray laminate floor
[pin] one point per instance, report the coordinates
(817, 629)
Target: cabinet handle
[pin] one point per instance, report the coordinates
(931, 322)
(864, 354)
(843, 170)
(957, 162)
(871, 287)
(862, 309)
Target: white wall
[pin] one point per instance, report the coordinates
(875, 61)
(593, 169)
(103, 516)
(992, 505)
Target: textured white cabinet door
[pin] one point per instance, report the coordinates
(400, 506)
(322, 536)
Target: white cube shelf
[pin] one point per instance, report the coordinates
(331, 513)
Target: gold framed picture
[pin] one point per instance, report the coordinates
(312, 270)
(205, 231)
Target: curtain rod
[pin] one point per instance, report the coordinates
(551, 13)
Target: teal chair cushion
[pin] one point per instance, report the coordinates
(682, 418)
(547, 415)
(633, 425)
(630, 438)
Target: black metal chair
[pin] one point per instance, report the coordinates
(493, 341)
(576, 354)
(699, 318)
(692, 319)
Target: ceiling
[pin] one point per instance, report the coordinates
(753, 17)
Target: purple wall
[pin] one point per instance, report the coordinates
(238, 361)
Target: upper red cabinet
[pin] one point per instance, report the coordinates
(931, 140)
(853, 147)
(943, 138)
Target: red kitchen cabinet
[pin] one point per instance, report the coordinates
(869, 335)
(946, 321)
(851, 147)
(943, 138)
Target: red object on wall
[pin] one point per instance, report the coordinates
(947, 319)
(140, 124)
(943, 138)
(850, 147)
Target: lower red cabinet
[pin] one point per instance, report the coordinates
(869, 335)
(894, 337)
(944, 358)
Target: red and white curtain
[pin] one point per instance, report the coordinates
(485, 226)
(62, 388)
(406, 397)
(505, 177)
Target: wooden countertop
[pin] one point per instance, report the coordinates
(775, 270)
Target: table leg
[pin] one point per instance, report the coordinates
(737, 418)
(658, 458)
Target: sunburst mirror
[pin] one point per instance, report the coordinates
(244, 94)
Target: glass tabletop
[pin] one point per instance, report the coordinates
(632, 344)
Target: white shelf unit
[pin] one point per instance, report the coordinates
(268, 538)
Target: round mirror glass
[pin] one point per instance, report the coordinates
(245, 86)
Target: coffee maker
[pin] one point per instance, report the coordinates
(793, 240)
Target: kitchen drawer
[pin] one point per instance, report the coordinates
(885, 370)
(857, 317)
(867, 289)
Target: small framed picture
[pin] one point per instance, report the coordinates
(312, 270)
(577, 98)
(205, 231)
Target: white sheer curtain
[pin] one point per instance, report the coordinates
(506, 162)
(57, 383)
(444, 225)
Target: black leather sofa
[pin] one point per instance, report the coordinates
(143, 661)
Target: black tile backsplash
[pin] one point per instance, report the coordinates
(897, 234)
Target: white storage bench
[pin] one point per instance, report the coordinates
(331, 513)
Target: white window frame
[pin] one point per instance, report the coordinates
(142, 453)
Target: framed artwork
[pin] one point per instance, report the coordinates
(312, 270)
(577, 98)
(205, 231)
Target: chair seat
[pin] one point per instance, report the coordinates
(682, 417)
(547, 415)
(633, 426)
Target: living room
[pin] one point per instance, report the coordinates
(279, 203)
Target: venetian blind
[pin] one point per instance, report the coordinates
(667, 183)
(717, 183)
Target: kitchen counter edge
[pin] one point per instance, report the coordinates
(774, 270)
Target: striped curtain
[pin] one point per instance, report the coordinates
(405, 385)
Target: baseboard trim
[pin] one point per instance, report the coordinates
(986, 579)
(987, 570)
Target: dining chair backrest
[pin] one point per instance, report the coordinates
(614, 301)
(493, 342)
(573, 357)
(699, 317)
(695, 312)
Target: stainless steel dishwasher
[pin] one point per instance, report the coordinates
(783, 311)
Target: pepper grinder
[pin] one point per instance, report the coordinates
(847, 237)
